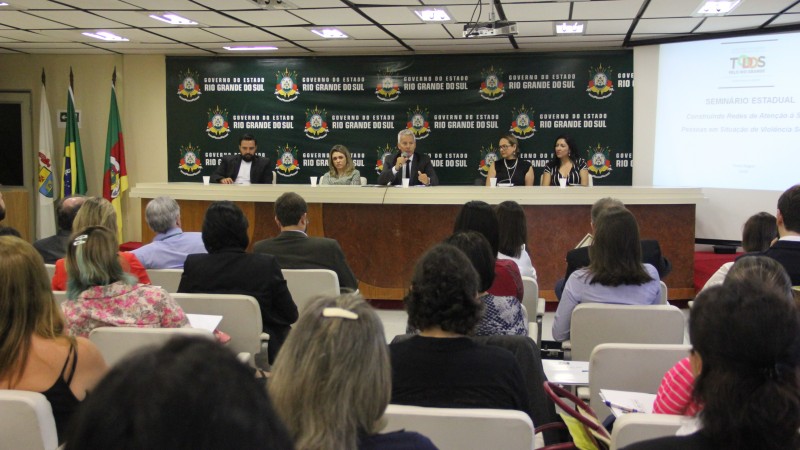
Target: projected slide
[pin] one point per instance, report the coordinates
(728, 113)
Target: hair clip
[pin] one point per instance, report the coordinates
(340, 313)
(80, 240)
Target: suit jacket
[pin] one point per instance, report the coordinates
(296, 250)
(651, 254)
(421, 163)
(54, 247)
(260, 170)
(232, 271)
(785, 252)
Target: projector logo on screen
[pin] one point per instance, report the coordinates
(748, 62)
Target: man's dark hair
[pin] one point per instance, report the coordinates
(65, 214)
(247, 137)
(289, 208)
(190, 394)
(225, 226)
(789, 206)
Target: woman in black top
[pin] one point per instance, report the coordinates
(566, 164)
(510, 169)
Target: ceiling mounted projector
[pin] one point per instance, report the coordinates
(490, 29)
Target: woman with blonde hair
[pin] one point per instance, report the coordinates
(35, 353)
(341, 169)
(101, 294)
(97, 211)
(332, 379)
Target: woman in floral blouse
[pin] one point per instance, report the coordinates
(101, 294)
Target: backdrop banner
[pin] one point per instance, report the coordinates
(458, 106)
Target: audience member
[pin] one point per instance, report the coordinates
(479, 216)
(579, 257)
(2, 207)
(406, 163)
(244, 168)
(786, 250)
(294, 249)
(170, 244)
(757, 235)
(55, 247)
(501, 315)
(615, 275)
(332, 381)
(101, 294)
(228, 269)
(512, 231)
(341, 169)
(442, 367)
(97, 211)
(745, 354)
(9, 231)
(35, 352)
(189, 394)
(675, 393)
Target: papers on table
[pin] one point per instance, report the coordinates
(204, 321)
(622, 402)
(566, 372)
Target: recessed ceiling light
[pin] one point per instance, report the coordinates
(716, 8)
(106, 36)
(3, 4)
(329, 33)
(570, 27)
(251, 48)
(173, 19)
(437, 14)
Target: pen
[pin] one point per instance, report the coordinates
(624, 409)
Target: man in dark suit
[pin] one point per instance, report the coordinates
(786, 250)
(244, 168)
(406, 163)
(294, 249)
(54, 247)
(579, 257)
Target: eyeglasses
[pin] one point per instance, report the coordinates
(504, 147)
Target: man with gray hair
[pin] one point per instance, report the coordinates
(405, 163)
(170, 245)
(54, 247)
(579, 257)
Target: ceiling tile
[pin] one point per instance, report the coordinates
(133, 34)
(268, 18)
(667, 26)
(625, 9)
(712, 24)
(786, 19)
(348, 43)
(26, 21)
(331, 16)
(142, 18)
(26, 36)
(166, 5)
(670, 8)
(97, 4)
(241, 33)
(391, 16)
(762, 7)
(78, 19)
(542, 11)
(608, 26)
(420, 31)
(188, 34)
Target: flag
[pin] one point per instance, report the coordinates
(74, 175)
(45, 219)
(115, 174)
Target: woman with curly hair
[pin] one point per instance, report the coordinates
(441, 366)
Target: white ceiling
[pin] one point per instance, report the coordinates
(375, 27)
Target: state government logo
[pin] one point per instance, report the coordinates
(492, 87)
(217, 127)
(286, 89)
(522, 127)
(113, 177)
(388, 88)
(599, 158)
(316, 123)
(382, 154)
(189, 88)
(488, 157)
(190, 163)
(45, 176)
(418, 122)
(600, 84)
(287, 164)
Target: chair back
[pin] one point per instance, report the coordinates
(168, 279)
(306, 284)
(638, 427)
(241, 318)
(51, 270)
(630, 367)
(60, 296)
(594, 323)
(535, 307)
(26, 421)
(663, 293)
(464, 428)
(115, 343)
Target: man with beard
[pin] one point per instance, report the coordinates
(244, 168)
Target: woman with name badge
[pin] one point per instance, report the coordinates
(341, 168)
(510, 170)
(566, 164)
